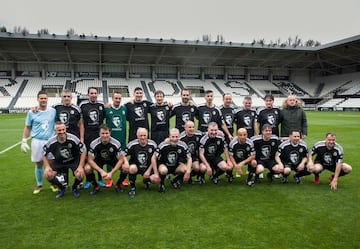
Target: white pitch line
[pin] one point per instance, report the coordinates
(9, 148)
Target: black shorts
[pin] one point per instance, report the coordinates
(327, 167)
(214, 162)
(267, 164)
(63, 169)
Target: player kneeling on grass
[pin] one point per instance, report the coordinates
(105, 150)
(328, 155)
(241, 152)
(212, 146)
(62, 152)
(141, 151)
(173, 157)
(292, 155)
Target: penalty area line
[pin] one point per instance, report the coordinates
(9, 148)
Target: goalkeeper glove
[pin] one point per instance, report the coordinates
(24, 146)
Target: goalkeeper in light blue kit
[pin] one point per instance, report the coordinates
(40, 127)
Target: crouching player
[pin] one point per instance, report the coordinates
(173, 157)
(105, 150)
(329, 155)
(292, 155)
(192, 138)
(141, 151)
(62, 152)
(212, 146)
(241, 152)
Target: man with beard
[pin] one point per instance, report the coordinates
(212, 146)
(265, 146)
(245, 117)
(160, 118)
(92, 115)
(192, 138)
(173, 157)
(184, 110)
(241, 152)
(292, 155)
(105, 150)
(268, 115)
(62, 152)
(328, 155)
(141, 151)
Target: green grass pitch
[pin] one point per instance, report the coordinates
(210, 216)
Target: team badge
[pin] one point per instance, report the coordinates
(207, 117)
(116, 120)
(93, 115)
(160, 115)
(69, 146)
(294, 157)
(64, 117)
(172, 156)
(72, 112)
(139, 111)
(65, 153)
(142, 157)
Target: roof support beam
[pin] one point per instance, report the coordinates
(33, 51)
(68, 53)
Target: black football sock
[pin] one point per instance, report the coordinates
(132, 180)
(162, 179)
(56, 182)
(76, 183)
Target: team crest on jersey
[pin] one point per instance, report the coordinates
(212, 148)
(100, 108)
(72, 112)
(69, 146)
(247, 148)
(160, 115)
(218, 142)
(144, 104)
(265, 151)
(116, 120)
(172, 156)
(139, 111)
(294, 157)
(335, 153)
(142, 157)
(123, 112)
(150, 150)
(228, 119)
(64, 117)
(273, 144)
(185, 117)
(327, 158)
(271, 119)
(207, 117)
(247, 120)
(93, 115)
(192, 109)
(301, 150)
(111, 149)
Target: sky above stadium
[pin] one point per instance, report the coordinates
(236, 20)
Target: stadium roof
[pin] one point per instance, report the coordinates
(53, 49)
